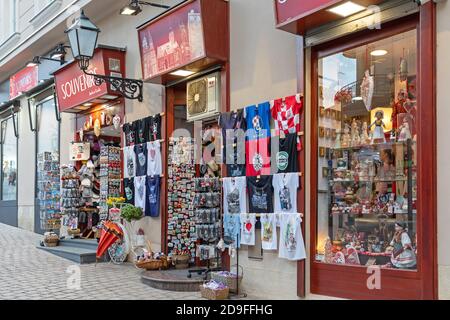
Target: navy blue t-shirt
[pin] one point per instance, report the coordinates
(140, 151)
(153, 196)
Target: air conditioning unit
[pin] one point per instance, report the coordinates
(203, 97)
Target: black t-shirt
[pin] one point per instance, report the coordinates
(140, 150)
(128, 186)
(130, 134)
(155, 127)
(232, 121)
(142, 128)
(286, 159)
(260, 193)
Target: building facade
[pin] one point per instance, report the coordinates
(265, 63)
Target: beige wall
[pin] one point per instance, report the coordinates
(263, 67)
(443, 151)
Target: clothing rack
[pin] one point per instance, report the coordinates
(162, 114)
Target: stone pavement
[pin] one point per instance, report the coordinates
(32, 274)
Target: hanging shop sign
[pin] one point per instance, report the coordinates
(76, 91)
(297, 16)
(191, 36)
(23, 81)
(80, 151)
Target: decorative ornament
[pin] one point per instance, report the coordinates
(103, 118)
(367, 89)
(116, 121)
(81, 134)
(97, 128)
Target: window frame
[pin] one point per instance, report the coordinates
(13, 22)
(6, 119)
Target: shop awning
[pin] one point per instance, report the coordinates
(298, 16)
(190, 37)
(77, 92)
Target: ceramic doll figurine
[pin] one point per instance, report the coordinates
(345, 139)
(378, 132)
(364, 138)
(355, 134)
(335, 209)
(405, 132)
(349, 195)
(403, 256)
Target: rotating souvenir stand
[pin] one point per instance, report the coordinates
(70, 199)
(49, 193)
(207, 203)
(181, 172)
(110, 177)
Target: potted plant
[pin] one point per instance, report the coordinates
(130, 213)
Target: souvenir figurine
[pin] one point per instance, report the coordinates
(337, 144)
(345, 139)
(378, 132)
(116, 122)
(403, 256)
(364, 138)
(335, 209)
(349, 195)
(103, 118)
(367, 89)
(355, 141)
(405, 133)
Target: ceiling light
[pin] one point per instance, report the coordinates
(357, 99)
(182, 73)
(378, 53)
(347, 9)
(87, 104)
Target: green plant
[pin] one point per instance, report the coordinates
(130, 212)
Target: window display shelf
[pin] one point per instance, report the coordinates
(372, 146)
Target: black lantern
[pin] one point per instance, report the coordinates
(83, 36)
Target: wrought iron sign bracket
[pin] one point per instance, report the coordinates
(129, 88)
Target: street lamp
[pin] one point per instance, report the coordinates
(135, 7)
(83, 36)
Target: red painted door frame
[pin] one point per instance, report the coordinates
(342, 281)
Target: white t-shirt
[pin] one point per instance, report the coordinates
(154, 162)
(129, 162)
(285, 187)
(234, 196)
(269, 231)
(292, 246)
(140, 192)
(248, 222)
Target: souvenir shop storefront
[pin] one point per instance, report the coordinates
(370, 106)
(94, 173)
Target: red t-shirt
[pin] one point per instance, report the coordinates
(257, 157)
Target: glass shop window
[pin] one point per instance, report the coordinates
(367, 155)
(9, 161)
(47, 157)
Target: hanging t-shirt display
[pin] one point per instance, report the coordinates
(231, 123)
(139, 192)
(292, 246)
(268, 231)
(257, 157)
(234, 196)
(248, 222)
(155, 127)
(260, 193)
(232, 229)
(130, 132)
(286, 114)
(128, 186)
(154, 162)
(129, 162)
(153, 196)
(258, 121)
(285, 187)
(142, 127)
(141, 159)
(286, 159)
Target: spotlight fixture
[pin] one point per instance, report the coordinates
(135, 7)
(33, 63)
(59, 52)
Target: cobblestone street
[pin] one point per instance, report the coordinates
(32, 274)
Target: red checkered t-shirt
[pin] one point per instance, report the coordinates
(286, 113)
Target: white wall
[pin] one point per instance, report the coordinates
(443, 151)
(263, 67)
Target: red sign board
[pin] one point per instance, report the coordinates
(172, 41)
(293, 9)
(23, 81)
(74, 87)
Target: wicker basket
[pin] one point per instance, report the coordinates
(230, 282)
(214, 294)
(181, 261)
(152, 264)
(73, 232)
(51, 241)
